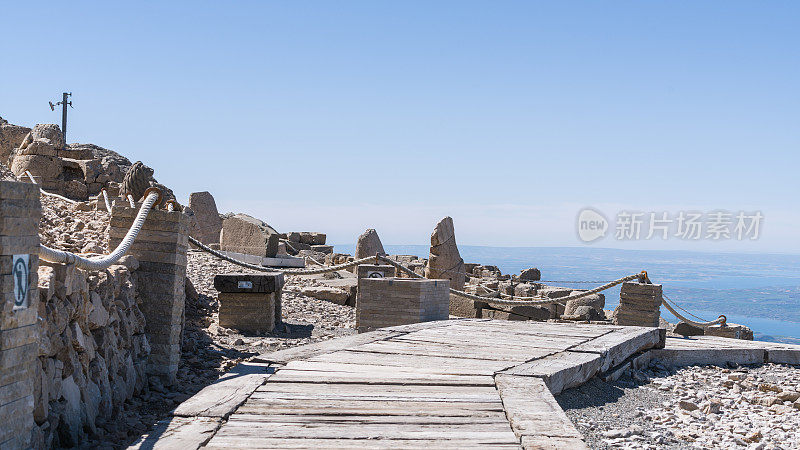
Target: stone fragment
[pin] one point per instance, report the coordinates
(246, 234)
(532, 274)
(331, 294)
(687, 405)
(684, 329)
(594, 301)
(207, 224)
(369, 244)
(445, 262)
(49, 131)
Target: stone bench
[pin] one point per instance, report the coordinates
(249, 302)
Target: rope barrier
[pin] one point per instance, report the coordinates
(49, 194)
(284, 271)
(106, 200)
(59, 256)
(721, 320)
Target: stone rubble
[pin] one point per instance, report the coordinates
(749, 407)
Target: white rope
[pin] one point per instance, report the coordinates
(106, 200)
(63, 257)
(49, 194)
(131, 201)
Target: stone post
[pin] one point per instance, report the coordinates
(639, 305)
(20, 212)
(160, 280)
(388, 302)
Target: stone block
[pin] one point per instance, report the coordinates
(251, 313)
(207, 223)
(385, 302)
(245, 234)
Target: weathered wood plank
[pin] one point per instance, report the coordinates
(224, 396)
(239, 427)
(397, 377)
(275, 443)
(318, 348)
(531, 408)
(371, 389)
(441, 364)
(372, 408)
(179, 433)
(474, 351)
(561, 370)
(617, 346)
(499, 419)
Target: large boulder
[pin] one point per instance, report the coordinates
(246, 234)
(445, 262)
(49, 131)
(206, 224)
(594, 301)
(43, 168)
(532, 274)
(11, 136)
(369, 244)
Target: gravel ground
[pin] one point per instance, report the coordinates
(754, 407)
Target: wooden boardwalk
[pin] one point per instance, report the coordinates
(450, 384)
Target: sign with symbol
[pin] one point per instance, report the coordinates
(245, 285)
(375, 274)
(20, 271)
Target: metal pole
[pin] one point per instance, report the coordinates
(64, 119)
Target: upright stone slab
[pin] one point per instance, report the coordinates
(639, 305)
(249, 302)
(20, 212)
(161, 250)
(387, 302)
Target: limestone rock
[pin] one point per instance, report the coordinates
(331, 294)
(207, 223)
(684, 329)
(43, 168)
(49, 131)
(39, 147)
(731, 330)
(11, 137)
(532, 274)
(445, 262)
(246, 234)
(594, 301)
(369, 244)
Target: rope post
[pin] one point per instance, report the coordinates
(20, 211)
(639, 303)
(160, 249)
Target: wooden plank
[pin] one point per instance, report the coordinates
(282, 443)
(318, 348)
(396, 377)
(475, 351)
(179, 433)
(240, 427)
(371, 408)
(466, 340)
(617, 346)
(561, 370)
(221, 398)
(531, 408)
(441, 364)
(371, 389)
(382, 419)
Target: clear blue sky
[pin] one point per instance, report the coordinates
(508, 116)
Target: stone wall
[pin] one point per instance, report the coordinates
(92, 351)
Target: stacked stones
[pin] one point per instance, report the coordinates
(92, 351)
(639, 305)
(19, 223)
(249, 302)
(386, 302)
(160, 249)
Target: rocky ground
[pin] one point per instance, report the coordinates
(693, 407)
(209, 351)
